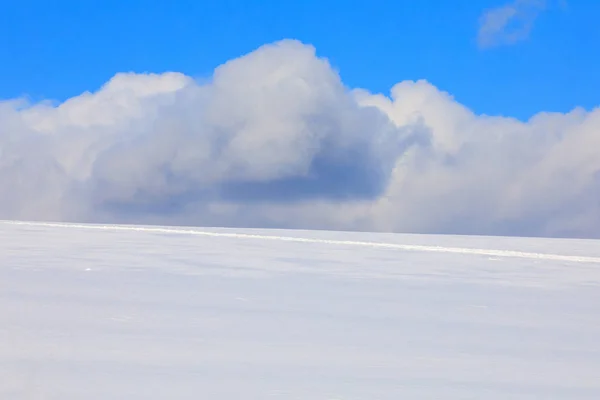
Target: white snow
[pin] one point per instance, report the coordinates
(124, 312)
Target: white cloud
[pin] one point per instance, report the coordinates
(509, 23)
(276, 140)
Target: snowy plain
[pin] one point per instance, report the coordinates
(124, 312)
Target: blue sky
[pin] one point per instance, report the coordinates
(58, 49)
(275, 139)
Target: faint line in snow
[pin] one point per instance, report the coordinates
(405, 247)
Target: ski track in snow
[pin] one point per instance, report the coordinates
(403, 247)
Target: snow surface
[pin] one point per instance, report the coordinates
(122, 312)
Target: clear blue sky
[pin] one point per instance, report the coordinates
(58, 49)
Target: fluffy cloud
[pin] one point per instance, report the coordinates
(275, 139)
(509, 23)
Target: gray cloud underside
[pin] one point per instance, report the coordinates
(275, 139)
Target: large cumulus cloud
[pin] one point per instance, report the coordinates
(275, 139)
